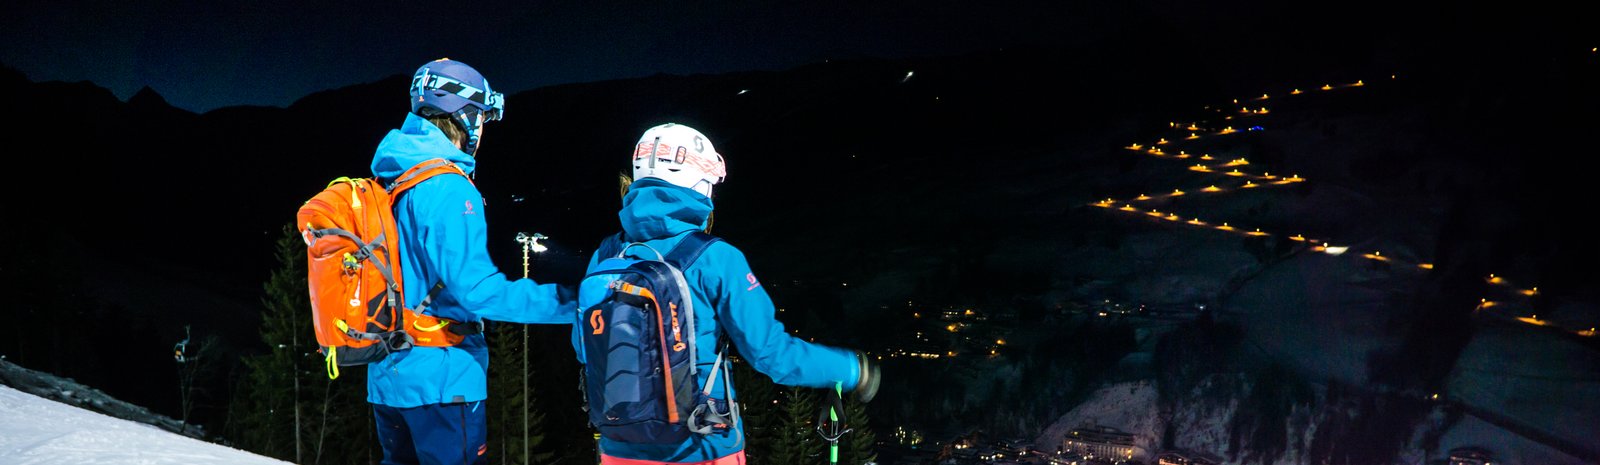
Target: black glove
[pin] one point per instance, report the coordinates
(867, 384)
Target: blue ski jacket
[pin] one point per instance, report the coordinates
(659, 214)
(443, 239)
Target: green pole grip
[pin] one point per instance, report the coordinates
(833, 447)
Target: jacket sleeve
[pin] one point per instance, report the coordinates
(746, 314)
(456, 245)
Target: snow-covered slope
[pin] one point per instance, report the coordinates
(46, 419)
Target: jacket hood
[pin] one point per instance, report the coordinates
(654, 209)
(416, 141)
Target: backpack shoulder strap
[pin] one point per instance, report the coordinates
(422, 172)
(610, 246)
(689, 249)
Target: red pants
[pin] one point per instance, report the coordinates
(732, 459)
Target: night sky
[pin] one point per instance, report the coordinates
(201, 55)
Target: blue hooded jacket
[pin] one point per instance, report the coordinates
(659, 214)
(443, 238)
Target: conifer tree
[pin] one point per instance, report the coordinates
(795, 440)
(513, 408)
(758, 410)
(285, 404)
(859, 445)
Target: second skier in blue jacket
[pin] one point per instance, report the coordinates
(674, 169)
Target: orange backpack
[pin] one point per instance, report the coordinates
(353, 271)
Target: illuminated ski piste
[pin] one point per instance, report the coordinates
(1512, 305)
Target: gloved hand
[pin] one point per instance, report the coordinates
(867, 384)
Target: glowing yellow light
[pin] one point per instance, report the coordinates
(1425, 266)
(1229, 129)
(1236, 101)
(1193, 136)
(1295, 92)
(1156, 213)
(1176, 192)
(1235, 173)
(1237, 162)
(1143, 197)
(1297, 237)
(1200, 168)
(1244, 110)
(1126, 207)
(1155, 150)
(1211, 188)
(1533, 320)
(1327, 87)
(1172, 217)
(1257, 232)
(1359, 83)
(1263, 111)
(1192, 127)
(1183, 155)
(1249, 184)
(1263, 96)
(968, 312)
(1172, 124)
(1225, 227)
(916, 315)
(1196, 221)
(1495, 279)
(1376, 256)
(1334, 250)
(1163, 141)
(950, 328)
(1000, 342)
(1135, 147)
(1206, 157)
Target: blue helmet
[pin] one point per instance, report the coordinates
(449, 87)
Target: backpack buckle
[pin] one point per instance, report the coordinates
(706, 419)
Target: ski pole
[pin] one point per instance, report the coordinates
(833, 408)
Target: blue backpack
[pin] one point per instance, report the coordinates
(636, 324)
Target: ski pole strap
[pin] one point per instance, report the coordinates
(832, 407)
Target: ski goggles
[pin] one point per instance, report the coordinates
(493, 102)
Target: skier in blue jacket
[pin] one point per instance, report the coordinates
(428, 401)
(674, 169)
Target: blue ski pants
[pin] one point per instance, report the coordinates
(434, 434)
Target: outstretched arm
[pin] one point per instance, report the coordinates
(457, 246)
(746, 313)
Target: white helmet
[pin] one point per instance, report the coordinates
(680, 155)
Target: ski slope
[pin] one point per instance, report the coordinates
(38, 431)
